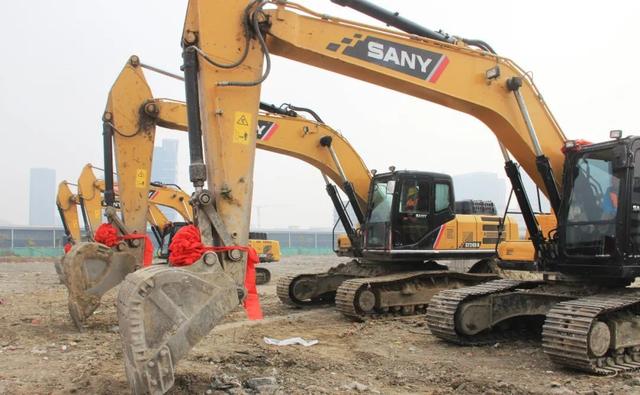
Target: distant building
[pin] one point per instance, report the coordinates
(165, 162)
(165, 168)
(481, 186)
(42, 195)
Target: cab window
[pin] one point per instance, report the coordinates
(593, 204)
(443, 200)
(414, 198)
(413, 219)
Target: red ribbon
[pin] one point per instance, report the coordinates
(67, 248)
(186, 247)
(107, 234)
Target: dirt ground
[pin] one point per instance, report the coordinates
(42, 353)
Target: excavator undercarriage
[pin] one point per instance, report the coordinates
(368, 289)
(587, 326)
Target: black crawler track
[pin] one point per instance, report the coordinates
(441, 312)
(348, 292)
(567, 326)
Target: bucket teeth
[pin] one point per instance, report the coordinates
(159, 324)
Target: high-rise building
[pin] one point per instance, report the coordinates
(165, 168)
(165, 162)
(42, 196)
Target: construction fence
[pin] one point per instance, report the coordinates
(49, 241)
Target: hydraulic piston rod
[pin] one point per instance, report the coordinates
(347, 185)
(542, 162)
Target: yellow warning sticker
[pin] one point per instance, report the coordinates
(241, 130)
(141, 178)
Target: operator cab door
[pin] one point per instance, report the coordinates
(634, 209)
(598, 220)
(424, 204)
(377, 227)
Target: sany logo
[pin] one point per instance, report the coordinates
(416, 62)
(266, 129)
(390, 54)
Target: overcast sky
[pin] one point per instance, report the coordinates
(61, 57)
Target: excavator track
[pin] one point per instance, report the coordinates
(286, 296)
(572, 331)
(311, 289)
(263, 276)
(405, 293)
(441, 312)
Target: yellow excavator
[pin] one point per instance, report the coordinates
(89, 199)
(588, 260)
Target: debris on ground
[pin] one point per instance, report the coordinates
(262, 385)
(290, 341)
(224, 382)
(376, 356)
(354, 385)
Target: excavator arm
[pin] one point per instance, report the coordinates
(130, 138)
(67, 203)
(90, 199)
(172, 197)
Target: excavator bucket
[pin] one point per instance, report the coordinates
(163, 312)
(89, 270)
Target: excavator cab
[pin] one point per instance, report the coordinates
(406, 212)
(599, 220)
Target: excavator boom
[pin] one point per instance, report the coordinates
(296, 137)
(453, 75)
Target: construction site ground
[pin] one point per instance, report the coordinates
(42, 353)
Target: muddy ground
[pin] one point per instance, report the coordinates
(42, 353)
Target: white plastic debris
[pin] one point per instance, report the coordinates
(290, 341)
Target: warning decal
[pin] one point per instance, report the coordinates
(241, 131)
(266, 129)
(141, 178)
